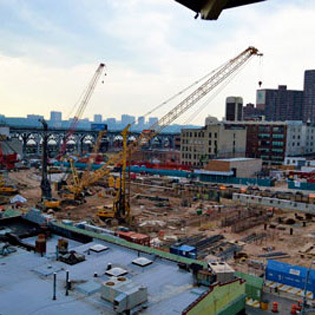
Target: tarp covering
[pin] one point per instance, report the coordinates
(18, 198)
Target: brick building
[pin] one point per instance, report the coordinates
(214, 140)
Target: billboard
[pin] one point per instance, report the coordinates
(98, 127)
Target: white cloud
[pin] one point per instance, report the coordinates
(161, 50)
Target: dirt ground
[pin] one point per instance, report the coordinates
(170, 220)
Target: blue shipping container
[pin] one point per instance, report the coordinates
(184, 250)
(290, 275)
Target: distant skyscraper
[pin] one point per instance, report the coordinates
(309, 96)
(98, 119)
(55, 116)
(141, 121)
(153, 120)
(35, 117)
(250, 112)
(234, 109)
(281, 104)
(111, 123)
(127, 119)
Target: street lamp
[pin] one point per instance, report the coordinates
(305, 287)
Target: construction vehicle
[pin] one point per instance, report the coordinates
(67, 188)
(70, 191)
(121, 204)
(46, 202)
(214, 80)
(7, 189)
(8, 159)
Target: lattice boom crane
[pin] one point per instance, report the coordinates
(217, 78)
(85, 100)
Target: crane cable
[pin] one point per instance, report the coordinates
(181, 92)
(213, 96)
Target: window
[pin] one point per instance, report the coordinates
(278, 136)
(215, 135)
(210, 135)
(277, 143)
(263, 135)
(210, 142)
(263, 128)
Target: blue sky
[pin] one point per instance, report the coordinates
(49, 50)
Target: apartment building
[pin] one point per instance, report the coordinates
(215, 140)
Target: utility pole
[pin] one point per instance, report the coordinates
(304, 311)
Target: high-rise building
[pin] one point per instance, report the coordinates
(252, 112)
(281, 104)
(35, 117)
(111, 123)
(127, 119)
(234, 109)
(98, 119)
(141, 122)
(55, 116)
(309, 97)
(153, 121)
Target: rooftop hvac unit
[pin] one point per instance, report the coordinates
(123, 293)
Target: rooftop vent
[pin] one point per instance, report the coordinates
(98, 248)
(72, 258)
(142, 261)
(116, 272)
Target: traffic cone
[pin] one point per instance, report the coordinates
(275, 307)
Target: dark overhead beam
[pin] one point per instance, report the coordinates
(211, 9)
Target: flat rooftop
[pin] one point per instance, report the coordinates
(26, 280)
(243, 159)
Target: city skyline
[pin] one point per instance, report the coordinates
(47, 59)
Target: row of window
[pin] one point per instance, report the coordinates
(195, 156)
(192, 141)
(268, 135)
(269, 128)
(199, 134)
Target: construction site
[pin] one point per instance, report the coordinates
(183, 216)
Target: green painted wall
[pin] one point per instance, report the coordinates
(253, 285)
(235, 307)
(224, 299)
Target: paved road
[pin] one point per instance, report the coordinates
(284, 305)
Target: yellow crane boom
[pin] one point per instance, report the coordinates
(216, 79)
